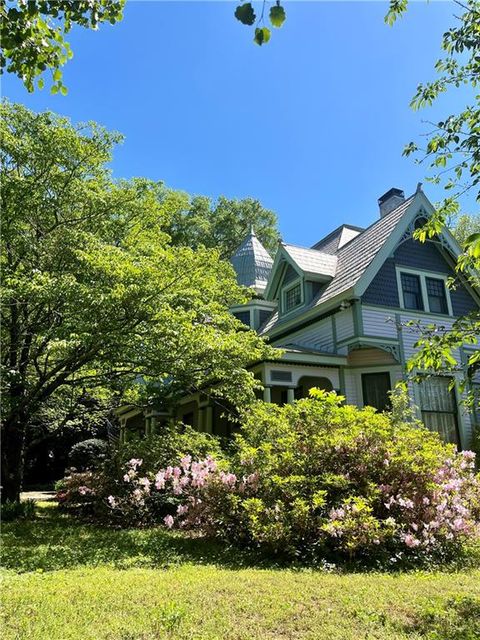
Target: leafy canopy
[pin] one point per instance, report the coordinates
(223, 224)
(452, 154)
(33, 32)
(94, 293)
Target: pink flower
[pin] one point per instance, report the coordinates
(145, 483)
(160, 480)
(135, 462)
(112, 502)
(411, 541)
(168, 520)
(182, 509)
(185, 462)
(228, 479)
(84, 491)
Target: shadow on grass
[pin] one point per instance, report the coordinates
(55, 541)
(457, 619)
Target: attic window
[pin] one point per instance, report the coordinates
(293, 297)
(412, 292)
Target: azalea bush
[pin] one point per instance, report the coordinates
(323, 479)
(315, 480)
(121, 491)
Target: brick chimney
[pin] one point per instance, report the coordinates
(390, 201)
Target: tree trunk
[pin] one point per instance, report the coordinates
(13, 447)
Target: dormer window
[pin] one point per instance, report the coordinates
(292, 297)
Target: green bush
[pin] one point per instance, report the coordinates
(88, 454)
(322, 479)
(24, 510)
(135, 504)
(168, 447)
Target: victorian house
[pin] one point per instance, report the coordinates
(339, 312)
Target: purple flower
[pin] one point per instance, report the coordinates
(168, 520)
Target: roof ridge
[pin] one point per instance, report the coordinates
(299, 246)
(370, 226)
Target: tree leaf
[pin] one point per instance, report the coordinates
(245, 13)
(277, 16)
(262, 35)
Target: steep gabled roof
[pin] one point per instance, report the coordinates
(311, 261)
(252, 263)
(356, 258)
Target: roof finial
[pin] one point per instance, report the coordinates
(252, 230)
(419, 187)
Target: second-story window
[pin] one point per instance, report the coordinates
(412, 292)
(293, 297)
(437, 298)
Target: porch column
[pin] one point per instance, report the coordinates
(209, 419)
(122, 438)
(267, 394)
(290, 395)
(201, 421)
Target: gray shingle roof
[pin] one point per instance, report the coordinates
(353, 258)
(312, 261)
(337, 238)
(252, 263)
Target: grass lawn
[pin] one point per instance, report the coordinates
(63, 580)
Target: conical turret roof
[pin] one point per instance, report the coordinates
(252, 263)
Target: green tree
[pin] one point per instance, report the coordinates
(452, 154)
(32, 34)
(464, 226)
(223, 224)
(93, 293)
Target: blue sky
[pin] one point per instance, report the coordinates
(313, 124)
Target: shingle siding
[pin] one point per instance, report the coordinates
(462, 302)
(383, 289)
(418, 255)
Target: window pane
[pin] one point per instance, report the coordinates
(435, 394)
(438, 405)
(375, 388)
(444, 423)
(437, 300)
(412, 292)
(292, 297)
(243, 316)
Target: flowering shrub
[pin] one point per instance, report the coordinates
(121, 492)
(80, 489)
(313, 479)
(319, 478)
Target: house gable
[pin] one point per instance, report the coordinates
(426, 257)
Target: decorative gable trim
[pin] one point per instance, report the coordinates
(282, 258)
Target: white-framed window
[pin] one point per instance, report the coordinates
(423, 291)
(292, 296)
(438, 405)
